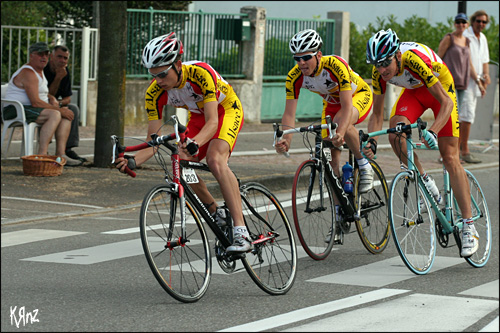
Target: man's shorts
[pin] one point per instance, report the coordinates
(412, 103)
(31, 112)
(230, 123)
(362, 101)
(467, 111)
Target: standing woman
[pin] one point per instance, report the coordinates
(455, 51)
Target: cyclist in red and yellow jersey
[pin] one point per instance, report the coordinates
(346, 98)
(427, 83)
(215, 119)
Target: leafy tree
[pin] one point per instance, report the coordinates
(73, 14)
(413, 29)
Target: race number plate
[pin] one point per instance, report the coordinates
(328, 154)
(189, 176)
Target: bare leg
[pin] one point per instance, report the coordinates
(448, 146)
(399, 145)
(464, 137)
(217, 157)
(50, 120)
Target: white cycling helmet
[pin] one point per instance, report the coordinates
(162, 51)
(305, 41)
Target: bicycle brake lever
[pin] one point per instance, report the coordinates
(114, 140)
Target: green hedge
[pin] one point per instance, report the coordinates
(414, 29)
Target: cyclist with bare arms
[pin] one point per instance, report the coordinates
(427, 83)
(215, 119)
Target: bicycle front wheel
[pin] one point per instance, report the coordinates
(372, 207)
(482, 222)
(179, 257)
(313, 209)
(412, 223)
(272, 263)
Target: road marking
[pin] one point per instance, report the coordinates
(484, 290)
(34, 235)
(381, 273)
(51, 202)
(491, 327)
(120, 250)
(408, 313)
(317, 310)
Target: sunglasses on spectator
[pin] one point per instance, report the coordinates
(460, 22)
(304, 57)
(162, 74)
(384, 63)
(480, 21)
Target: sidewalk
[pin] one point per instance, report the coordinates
(106, 188)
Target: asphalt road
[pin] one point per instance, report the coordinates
(88, 273)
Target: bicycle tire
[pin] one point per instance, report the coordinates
(373, 226)
(412, 223)
(272, 263)
(183, 271)
(313, 219)
(479, 207)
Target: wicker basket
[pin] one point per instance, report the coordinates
(42, 165)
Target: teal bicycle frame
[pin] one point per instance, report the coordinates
(448, 217)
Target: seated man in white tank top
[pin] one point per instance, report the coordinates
(29, 86)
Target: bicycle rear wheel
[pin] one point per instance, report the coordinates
(482, 222)
(272, 263)
(412, 223)
(179, 259)
(313, 209)
(372, 207)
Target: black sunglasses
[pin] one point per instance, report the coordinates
(460, 22)
(481, 21)
(384, 63)
(304, 57)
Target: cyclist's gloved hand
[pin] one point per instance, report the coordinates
(192, 147)
(370, 149)
(431, 139)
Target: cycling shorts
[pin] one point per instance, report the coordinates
(230, 123)
(362, 101)
(412, 103)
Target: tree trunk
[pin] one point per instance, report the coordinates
(111, 78)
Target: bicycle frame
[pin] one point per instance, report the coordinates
(446, 218)
(321, 158)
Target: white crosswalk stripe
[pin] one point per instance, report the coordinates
(369, 311)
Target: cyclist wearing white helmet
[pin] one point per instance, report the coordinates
(215, 119)
(347, 98)
(427, 83)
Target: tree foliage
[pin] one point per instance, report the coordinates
(413, 29)
(68, 14)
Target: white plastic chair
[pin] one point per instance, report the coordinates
(10, 125)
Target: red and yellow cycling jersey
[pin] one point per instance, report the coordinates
(333, 75)
(200, 84)
(420, 67)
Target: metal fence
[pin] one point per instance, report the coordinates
(277, 57)
(208, 37)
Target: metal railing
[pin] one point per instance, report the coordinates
(202, 35)
(277, 57)
(15, 41)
